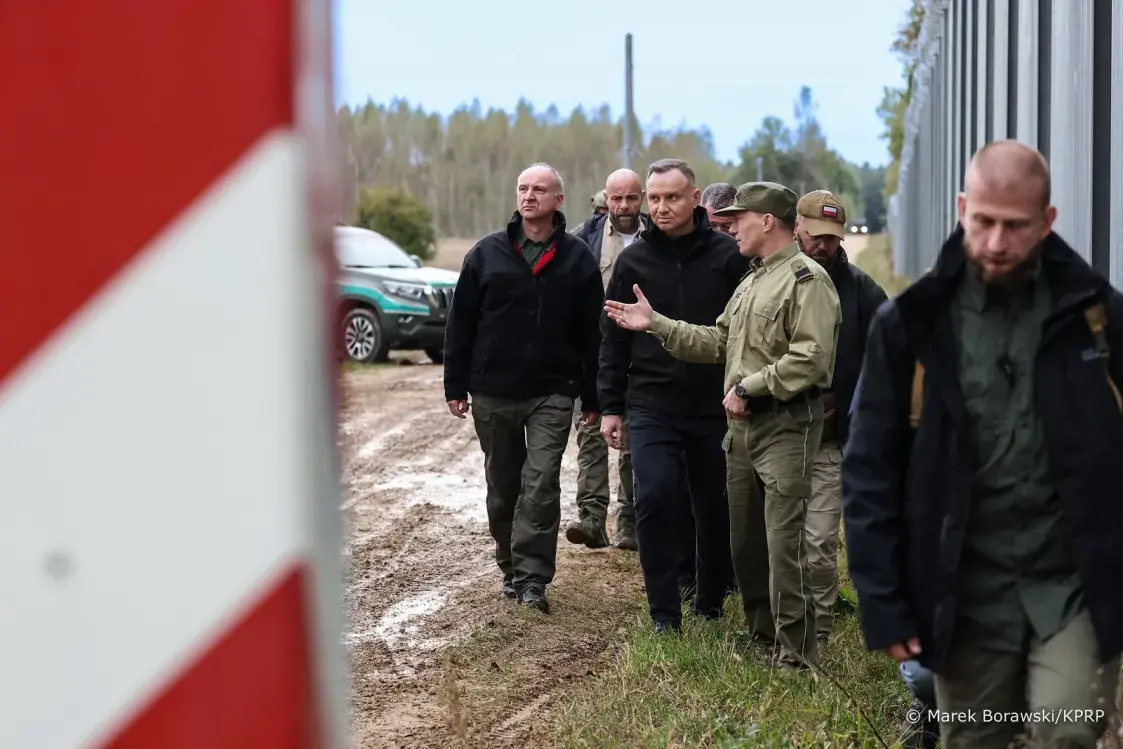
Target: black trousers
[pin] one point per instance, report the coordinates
(662, 447)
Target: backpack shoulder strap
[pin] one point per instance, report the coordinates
(1096, 317)
(917, 403)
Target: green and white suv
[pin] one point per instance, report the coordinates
(387, 299)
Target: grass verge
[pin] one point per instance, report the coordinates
(712, 687)
(877, 260)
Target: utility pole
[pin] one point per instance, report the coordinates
(759, 168)
(628, 113)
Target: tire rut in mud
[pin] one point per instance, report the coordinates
(437, 656)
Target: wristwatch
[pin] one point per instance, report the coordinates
(741, 392)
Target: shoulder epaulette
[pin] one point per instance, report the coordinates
(802, 272)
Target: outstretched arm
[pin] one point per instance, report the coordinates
(699, 344)
(703, 344)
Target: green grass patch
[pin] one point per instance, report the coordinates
(714, 687)
(877, 261)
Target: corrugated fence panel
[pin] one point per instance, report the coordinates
(1116, 127)
(1043, 71)
(1070, 121)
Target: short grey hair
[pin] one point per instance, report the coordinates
(557, 175)
(662, 166)
(719, 195)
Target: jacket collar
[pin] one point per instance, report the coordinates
(1072, 282)
(655, 235)
(516, 222)
(644, 224)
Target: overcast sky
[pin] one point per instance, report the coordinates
(725, 67)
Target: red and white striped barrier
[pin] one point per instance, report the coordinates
(169, 542)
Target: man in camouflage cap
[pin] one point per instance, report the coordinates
(600, 203)
(777, 337)
(820, 228)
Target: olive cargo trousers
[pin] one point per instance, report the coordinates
(523, 443)
(1063, 673)
(769, 461)
(824, 519)
(593, 493)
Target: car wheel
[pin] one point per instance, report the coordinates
(362, 337)
(436, 354)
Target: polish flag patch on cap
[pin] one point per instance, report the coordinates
(830, 211)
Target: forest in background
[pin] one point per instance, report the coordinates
(462, 167)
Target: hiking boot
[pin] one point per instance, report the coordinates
(920, 734)
(667, 628)
(509, 586)
(587, 532)
(535, 595)
(626, 530)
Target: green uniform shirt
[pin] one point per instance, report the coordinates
(532, 251)
(778, 333)
(1015, 575)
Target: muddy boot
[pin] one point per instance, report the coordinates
(588, 532)
(535, 595)
(626, 529)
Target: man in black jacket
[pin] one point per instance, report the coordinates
(522, 338)
(673, 408)
(820, 227)
(983, 500)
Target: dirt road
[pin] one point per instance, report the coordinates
(438, 657)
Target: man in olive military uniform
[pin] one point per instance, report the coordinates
(983, 499)
(820, 227)
(777, 337)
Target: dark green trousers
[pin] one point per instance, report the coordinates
(523, 443)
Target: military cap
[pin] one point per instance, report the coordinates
(822, 213)
(600, 201)
(762, 197)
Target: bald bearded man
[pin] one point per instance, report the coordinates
(983, 502)
(607, 235)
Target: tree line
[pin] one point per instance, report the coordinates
(463, 167)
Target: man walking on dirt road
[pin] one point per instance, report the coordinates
(820, 227)
(522, 339)
(607, 234)
(777, 337)
(673, 409)
(983, 499)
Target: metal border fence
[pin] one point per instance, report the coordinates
(1046, 72)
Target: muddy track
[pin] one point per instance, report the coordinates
(437, 656)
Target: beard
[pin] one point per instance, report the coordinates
(1014, 277)
(624, 224)
(828, 261)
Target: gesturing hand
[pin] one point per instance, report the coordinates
(630, 316)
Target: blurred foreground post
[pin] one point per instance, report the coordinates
(170, 544)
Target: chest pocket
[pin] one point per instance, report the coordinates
(763, 323)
